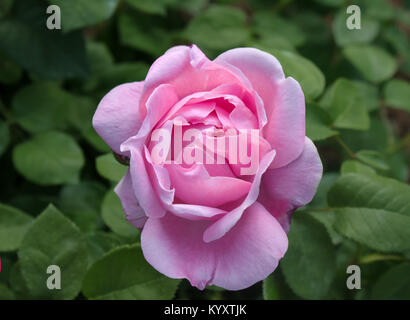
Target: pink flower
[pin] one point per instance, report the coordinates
(210, 222)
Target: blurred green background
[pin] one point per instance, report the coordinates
(56, 177)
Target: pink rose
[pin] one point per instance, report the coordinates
(220, 223)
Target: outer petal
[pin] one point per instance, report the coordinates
(135, 214)
(188, 70)
(247, 254)
(141, 182)
(285, 129)
(261, 68)
(283, 100)
(287, 188)
(117, 117)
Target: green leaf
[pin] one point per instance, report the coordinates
(266, 22)
(114, 216)
(82, 109)
(310, 262)
(303, 70)
(373, 158)
(225, 21)
(6, 293)
(13, 226)
(370, 191)
(120, 73)
(376, 138)
(317, 123)
(5, 7)
(17, 282)
(346, 106)
(110, 168)
(41, 107)
(124, 274)
(375, 64)
(190, 6)
(100, 243)
(320, 199)
(49, 158)
(100, 59)
(397, 94)
(53, 54)
(76, 14)
(10, 72)
(378, 9)
(380, 230)
(4, 136)
(53, 240)
(270, 288)
(331, 3)
(393, 284)
(149, 6)
(140, 34)
(353, 166)
(85, 210)
(369, 94)
(327, 219)
(343, 36)
(271, 41)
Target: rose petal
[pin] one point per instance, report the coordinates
(285, 129)
(219, 228)
(196, 186)
(134, 213)
(248, 253)
(287, 188)
(283, 100)
(118, 117)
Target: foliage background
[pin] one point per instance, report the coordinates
(57, 176)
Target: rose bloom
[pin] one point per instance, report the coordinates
(209, 222)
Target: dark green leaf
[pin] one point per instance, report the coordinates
(373, 158)
(394, 284)
(309, 265)
(370, 191)
(13, 226)
(226, 22)
(41, 107)
(397, 94)
(51, 53)
(53, 240)
(303, 70)
(5, 292)
(76, 14)
(4, 136)
(270, 288)
(369, 29)
(124, 274)
(49, 158)
(85, 210)
(353, 166)
(266, 23)
(110, 168)
(381, 230)
(10, 72)
(114, 216)
(346, 106)
(375, 64)
(99, 243)
(318, 123)
(149, 6)
(138, 34)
